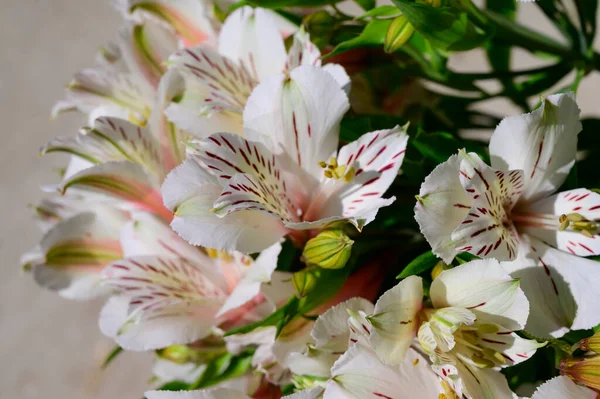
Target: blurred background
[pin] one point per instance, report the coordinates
(51, 347)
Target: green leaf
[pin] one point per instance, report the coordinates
(372, 35)
(465, 257)
(274, 4)
(446, 27)
(419, 265)
(438, 146)
(111, 356)
(224, 367)
(381, 11)
(366, 4)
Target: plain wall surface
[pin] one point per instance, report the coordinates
(50, 347)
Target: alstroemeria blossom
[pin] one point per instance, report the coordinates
(219, 82)
(178, 294)
(509, 212)
(286, 176)
(467, 331)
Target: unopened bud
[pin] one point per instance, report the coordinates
(399, 32)
(179, 354)
(330, 249)
(437, 269)
(592, 343)
(584, 371)
(305, 280)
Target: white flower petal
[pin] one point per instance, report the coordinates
(486, 289)
(480, 383)
(299, 114)
(561, 288)
(190, 192)
(563, 388)
(542, 144)
(512, 347)
(443, 204)
(395, 321)
(584, 202)
(306, 394)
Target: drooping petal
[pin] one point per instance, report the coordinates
(545, 227)
(112, 139)
(331, 331)
(360, 374)
(395, 321)
(258, 272)
(485, 231)
(251, 37)
(251, 176)
(561, 288)
(189, 18)
(483, 383)
(375, 159)
(75, 251)
(513, 348)
(442, 205)
(542, 144)
(170, 301)
(486, 289)
(124, 180)
(215, 393)
(190, 192)
(145, 47)
(299, 114)
(563, 388)
(117, 94)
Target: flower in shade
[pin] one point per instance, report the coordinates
(286, 176)
(509, 212)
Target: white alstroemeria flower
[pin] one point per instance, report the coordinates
(74, 251)
(563, 388)
(467, 331)
(509, 212)
(218, 83)
(179, 294)
(286, 176)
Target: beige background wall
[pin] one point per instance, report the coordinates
(49, 347)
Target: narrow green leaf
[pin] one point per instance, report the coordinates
(366, 4)
(372, 35)
(419, 265)
(275, 4)
(111, 356)
(381, 11)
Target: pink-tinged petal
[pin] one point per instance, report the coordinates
(542, 144)
(145, 47)
(112, 139)
(441, 207)
(302, 52)
(75, 251)
(213, 393)
(124, 180)
(331, 331)
(251, 175)
(251, 37)
(513, 348)
(560, 288)
(486, 230)
(118, 94)
(190, 192)
(563, 388)
(360, 373)
(541, 220)
(257, 273)
(395, 320)
(300, 115)
(375, 158)
(189, 18)
(486, 289)
(227, 85)
(170, 301)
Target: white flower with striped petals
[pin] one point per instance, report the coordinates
(508, 211)
(286, 176)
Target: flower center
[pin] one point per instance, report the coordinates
(333, 170)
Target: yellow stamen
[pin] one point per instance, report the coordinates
(333, 170)
(577, 223)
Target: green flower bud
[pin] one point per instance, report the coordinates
(180, 354)
(399, 32)
(330, 249)
(305, 280)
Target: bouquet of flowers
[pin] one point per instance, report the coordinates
(277, 198)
